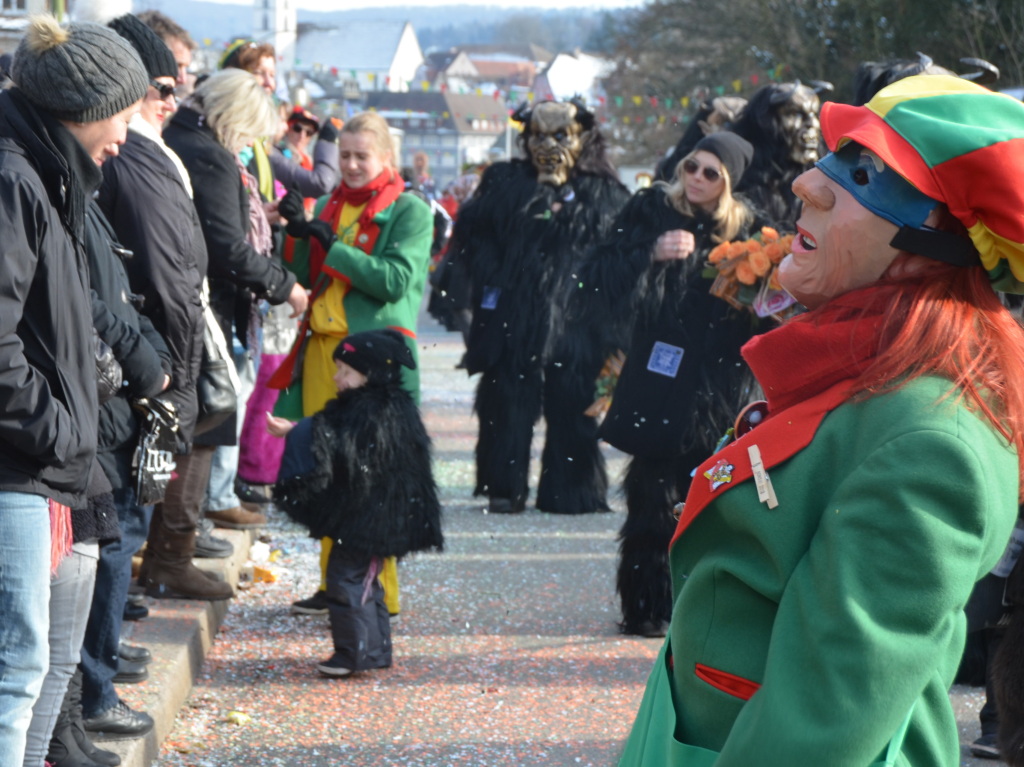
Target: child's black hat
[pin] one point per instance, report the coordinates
(377, 354)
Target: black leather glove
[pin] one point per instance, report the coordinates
(327, 131)
(292, 209)
(322, 231)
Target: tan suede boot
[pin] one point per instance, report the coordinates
(170, 573)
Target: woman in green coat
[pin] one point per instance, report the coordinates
(364, 257)
(822, 561)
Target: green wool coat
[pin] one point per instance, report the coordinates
(805, 634)
(386, 285)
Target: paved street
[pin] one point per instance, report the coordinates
(506, 651)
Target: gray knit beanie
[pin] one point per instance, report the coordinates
(81, 73)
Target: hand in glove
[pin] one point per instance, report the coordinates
(322, 231)
(328, 131)
(292, 208)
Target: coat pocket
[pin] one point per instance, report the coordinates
(728, 683)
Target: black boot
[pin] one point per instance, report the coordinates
(64, 750)
(73, 705)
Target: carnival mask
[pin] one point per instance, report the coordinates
(797, 115)
(554, 141)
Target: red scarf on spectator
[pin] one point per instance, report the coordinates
(377, 195)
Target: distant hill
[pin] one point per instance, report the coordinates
(436, 27)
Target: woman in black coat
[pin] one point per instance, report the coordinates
(228, 111)
(684, 380)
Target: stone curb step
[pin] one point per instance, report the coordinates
(179, 633)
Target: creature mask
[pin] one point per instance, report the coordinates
(798, 115)
(554, 141)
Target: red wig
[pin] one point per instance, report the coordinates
(946, 321)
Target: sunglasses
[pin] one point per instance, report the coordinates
(691, 167)
(165, 91)
(300, 128)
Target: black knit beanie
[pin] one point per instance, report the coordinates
(377, 354)
(155, 55)
(734, 151)
(81, 73)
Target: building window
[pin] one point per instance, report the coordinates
(14, 5)
(448, 141)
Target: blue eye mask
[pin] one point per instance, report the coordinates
(888, 195)
(877, 187)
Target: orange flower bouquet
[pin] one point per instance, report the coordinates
(746, 273)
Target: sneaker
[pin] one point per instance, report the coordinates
(987, 746)
(237, 518)
(209, 546)
(333, 666)
(315, 605)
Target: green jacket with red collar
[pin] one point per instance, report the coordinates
(806, 633)
(386, 285)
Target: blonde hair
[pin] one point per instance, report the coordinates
(730, 215)
(377, 126)
(236, 107)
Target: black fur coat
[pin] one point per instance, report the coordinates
(359, 472)
(645, 302)
(522, 243)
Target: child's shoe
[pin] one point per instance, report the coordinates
(334, 666)
(314, 605)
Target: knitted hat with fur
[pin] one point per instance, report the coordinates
(80, 73)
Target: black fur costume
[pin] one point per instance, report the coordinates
(668, 425)
(768, 182)
(359, 472)
(521, 242)
(1008, 673)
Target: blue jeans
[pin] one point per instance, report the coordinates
(70, 597)
(220, 492)
(113, 577)
(24, 605)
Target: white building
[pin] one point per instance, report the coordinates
(14, 19)
(372, 56)
(573, 74)
(276, 22)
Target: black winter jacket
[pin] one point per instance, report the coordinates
(47, 363)
(138, 347)
(222, 202)
(148, 206)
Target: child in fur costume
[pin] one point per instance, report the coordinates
(359, 472)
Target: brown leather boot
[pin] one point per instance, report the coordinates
(170, 573)
(237, 518)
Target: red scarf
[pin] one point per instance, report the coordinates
(814, 351)
(376, 195)
(806, 368)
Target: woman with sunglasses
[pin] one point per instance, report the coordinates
(683, 381)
